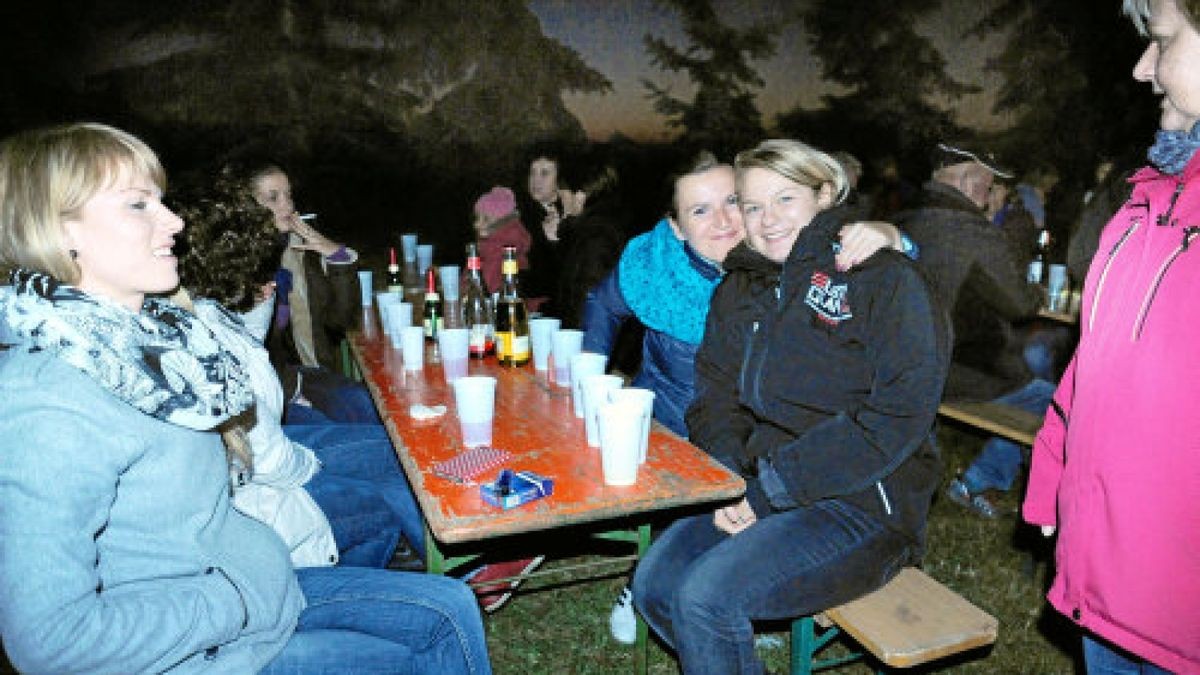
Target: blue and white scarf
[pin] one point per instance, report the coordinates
(162, 361)
(1172, 150)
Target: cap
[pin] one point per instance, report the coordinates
(949, 155)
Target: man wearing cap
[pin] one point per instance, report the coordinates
(978, 279)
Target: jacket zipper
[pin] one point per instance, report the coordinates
(887, 505)
(1112, 254)
(1189, 233)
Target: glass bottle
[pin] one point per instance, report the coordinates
(477, 310)
(431, 317)
(395, 282)
(512, 322)
(1037, 266)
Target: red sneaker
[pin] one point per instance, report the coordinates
(492, 583)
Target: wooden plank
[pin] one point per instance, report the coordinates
(1000, 419)
(913, 620)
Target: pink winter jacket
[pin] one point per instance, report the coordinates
(1117, 464)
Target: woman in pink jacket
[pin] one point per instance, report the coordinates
(1116, 468)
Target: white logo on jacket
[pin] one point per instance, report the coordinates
(828, 300)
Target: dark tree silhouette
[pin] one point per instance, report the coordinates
(722, 115)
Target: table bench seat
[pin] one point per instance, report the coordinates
(996, 418)
(910, 621)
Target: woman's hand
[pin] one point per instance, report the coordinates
(313, 240)
(735, 517)
(861, 240)
(550, 223)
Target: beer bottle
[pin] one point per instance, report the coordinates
(477, 310)
(432, 315)
(395, 282)
(512, 323)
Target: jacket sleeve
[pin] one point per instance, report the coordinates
(58, 481)
(604, 311)
(341, 311)
(1049, 455)
(717, 422)
(907, 349)
(999, 278)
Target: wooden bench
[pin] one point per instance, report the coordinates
(996, 418)
(910, 621)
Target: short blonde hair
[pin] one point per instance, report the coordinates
(47, 175)
(1138, 12)
(796, 161)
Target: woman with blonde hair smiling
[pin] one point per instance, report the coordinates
(818, 385)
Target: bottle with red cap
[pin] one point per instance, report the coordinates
(477, 312)
(432, 315)
(395, 282)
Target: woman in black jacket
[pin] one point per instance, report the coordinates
(820, 387)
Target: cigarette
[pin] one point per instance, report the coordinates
(307, 216)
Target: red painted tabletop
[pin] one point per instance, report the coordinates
(534, 421)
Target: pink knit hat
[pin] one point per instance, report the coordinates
(497, 203)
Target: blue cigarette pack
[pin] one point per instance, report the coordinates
(514, 488)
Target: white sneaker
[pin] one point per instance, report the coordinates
(622, 623)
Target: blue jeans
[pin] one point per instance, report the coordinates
(1101, 658)
(1000, 461)
(700, 588)
(362, 491)
(335, 399)
(378, 621)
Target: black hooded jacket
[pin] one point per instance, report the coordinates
(818, 384)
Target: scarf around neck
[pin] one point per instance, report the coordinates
(162, 361)
(662, 286)
(1172, 150)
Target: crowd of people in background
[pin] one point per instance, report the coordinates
(188, 482)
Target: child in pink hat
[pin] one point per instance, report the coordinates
(497, 225)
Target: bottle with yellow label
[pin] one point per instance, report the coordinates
(512, 322)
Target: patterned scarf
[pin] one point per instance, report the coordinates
(662, 287)
(162, 361)
(1172, 150)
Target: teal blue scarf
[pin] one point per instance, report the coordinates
(662, 286)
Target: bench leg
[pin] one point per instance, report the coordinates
(806, 643)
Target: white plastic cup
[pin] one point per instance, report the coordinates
(452, 343)
(384, 300)
(475, 399)
(424, 258)
(412, 346)
(399, 317)
(366, 281)
(408, 244)
(566, 344)
(582, 365)
(541, 337)
(620, 424)
(1056, 285)
(596, 390)
(448, 275)
(645, 399)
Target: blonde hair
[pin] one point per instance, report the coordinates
(47, 175)
(1138, 12)
(796, 161)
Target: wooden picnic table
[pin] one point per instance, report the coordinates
(534, 422)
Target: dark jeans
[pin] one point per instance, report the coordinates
(362, 491)
(700, 588)
(380, 621)
(1102, 658)
(1000, 460)
(335, 398)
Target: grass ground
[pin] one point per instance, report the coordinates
(999, 565)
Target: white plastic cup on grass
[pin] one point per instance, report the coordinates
(620, 425)
(644, 398)
(582, 365)
(566, 344)
(452, 343)
(541, 338)
(475, 400)
(595, 390)
(412, 346)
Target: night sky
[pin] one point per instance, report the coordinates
(608, 34)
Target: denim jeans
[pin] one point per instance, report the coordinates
(1101, 658)
(335, 399)
(379, 621)
(1000, 461)
(362, 491)
(700, 588)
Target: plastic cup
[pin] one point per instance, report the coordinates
(582, 365)
(620, 424)
(595, 390)
(399, 317)
(412, 346)
(475, 399)
(384, 300)
(408, 244)
(566, 344)
(452, 343)
(541, 337)
(448, 275)
(1056, 285)
(645, 399)
(366, 281)
(424, 258)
